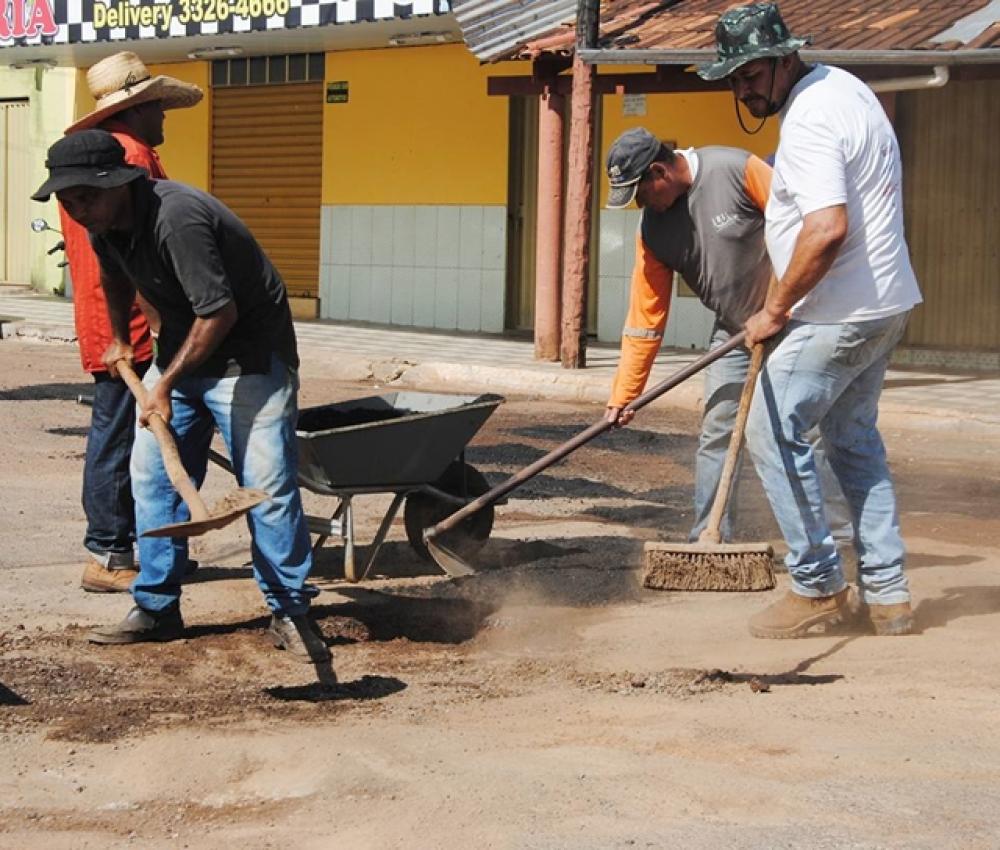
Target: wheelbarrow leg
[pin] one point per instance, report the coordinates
(383, 530)
(347, 531)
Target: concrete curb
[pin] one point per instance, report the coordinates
(27, 329)
(549, 383)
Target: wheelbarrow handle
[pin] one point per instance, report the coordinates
(168, 447)
(580, 439)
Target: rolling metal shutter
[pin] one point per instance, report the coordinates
(267, 148)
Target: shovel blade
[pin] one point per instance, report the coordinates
(229, 508)
(449, 561)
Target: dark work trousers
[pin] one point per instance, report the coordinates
(107, 487)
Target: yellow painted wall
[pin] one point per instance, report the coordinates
(418, 128)
(186, 151)
(691, 120)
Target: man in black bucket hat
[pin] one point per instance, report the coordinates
(226, 358)
(86, 159)
(834, 232)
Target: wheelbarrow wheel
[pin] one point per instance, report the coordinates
(423, 510)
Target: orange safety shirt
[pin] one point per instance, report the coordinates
(93, 326)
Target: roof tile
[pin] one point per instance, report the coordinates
(833, 25)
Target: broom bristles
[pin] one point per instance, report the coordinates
(698, 566)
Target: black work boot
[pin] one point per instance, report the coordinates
(296, 635)
(141, 626)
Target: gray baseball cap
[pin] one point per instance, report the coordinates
(628, 158)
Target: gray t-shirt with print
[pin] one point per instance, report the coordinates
(713, 235)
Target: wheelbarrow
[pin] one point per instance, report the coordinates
(410, 444)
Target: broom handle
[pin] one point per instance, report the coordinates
(712, 532)
(168, 447)
(557, 454)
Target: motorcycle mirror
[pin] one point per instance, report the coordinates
(39, 225)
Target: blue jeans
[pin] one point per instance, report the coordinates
(107, 488)
(256, 415)
(830, 377)
(724, 381)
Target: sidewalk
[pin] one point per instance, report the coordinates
(912, 397)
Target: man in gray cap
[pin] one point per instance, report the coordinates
(702, 216)
(845, 289)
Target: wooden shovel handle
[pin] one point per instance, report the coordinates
(168, 447)
(712, 532)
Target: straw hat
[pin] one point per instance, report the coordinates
(122, 80)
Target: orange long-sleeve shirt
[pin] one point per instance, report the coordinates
(90, 308)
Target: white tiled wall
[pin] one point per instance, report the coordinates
(426, 266)
(690, 323)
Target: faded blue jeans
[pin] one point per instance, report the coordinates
(724, 381)
(830, 377)
(256, 415)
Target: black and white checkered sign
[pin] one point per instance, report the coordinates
(84, 21)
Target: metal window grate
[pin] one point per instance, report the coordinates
(268, 70)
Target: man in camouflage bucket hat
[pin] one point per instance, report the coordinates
(748, 33)
(834, 232)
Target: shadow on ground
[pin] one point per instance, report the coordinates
(45, 392)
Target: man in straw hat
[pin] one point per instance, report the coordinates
(834, 231)
(130, 103)
(226, 358)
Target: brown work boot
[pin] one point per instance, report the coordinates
(141, 626)
(298, 637)
(894, 619)
(793, 615)
(114, 578)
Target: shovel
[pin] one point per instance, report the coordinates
(453, 564)
(229, 508)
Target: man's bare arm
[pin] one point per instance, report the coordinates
(203, 338)
(119, 293)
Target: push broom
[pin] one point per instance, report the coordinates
(710, 564)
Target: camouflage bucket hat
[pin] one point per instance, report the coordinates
(745, 33)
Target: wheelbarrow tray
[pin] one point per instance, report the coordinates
(388, 442)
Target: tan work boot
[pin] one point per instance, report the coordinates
(894, 619)
(100, 579)
(793, 615)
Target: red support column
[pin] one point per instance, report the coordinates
(579, 187)
(548, 241)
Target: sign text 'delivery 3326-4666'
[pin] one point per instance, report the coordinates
(25, 23)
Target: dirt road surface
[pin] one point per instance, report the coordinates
(547, 702)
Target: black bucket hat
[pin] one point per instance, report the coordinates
(745, 33)
(88, 158)
(628, 158)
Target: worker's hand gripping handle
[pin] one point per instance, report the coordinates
(168, 447)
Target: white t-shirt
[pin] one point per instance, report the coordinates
(838, 147)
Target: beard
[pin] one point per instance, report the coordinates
(759, 107)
